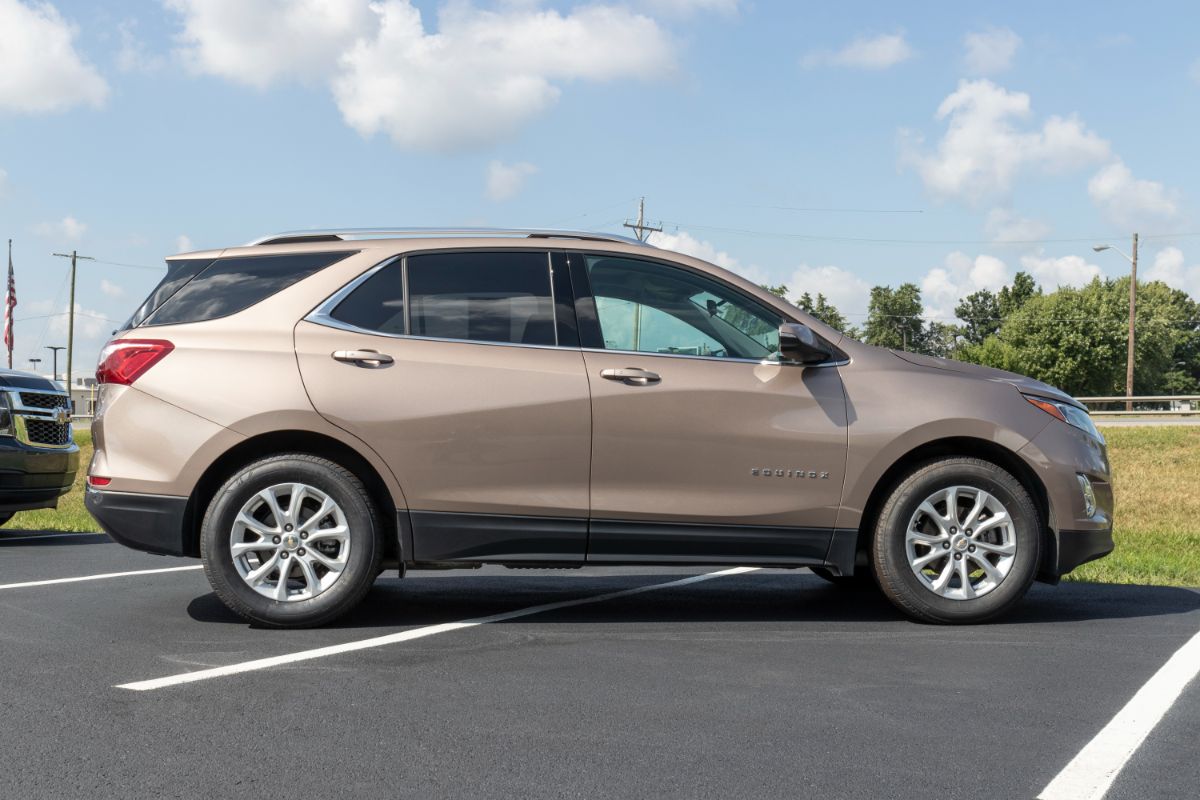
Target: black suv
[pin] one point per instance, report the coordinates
(38, 455)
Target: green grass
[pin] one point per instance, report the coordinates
(1155, 473)
(70, 514)
(1157, 524)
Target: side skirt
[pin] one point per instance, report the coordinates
(445, 538)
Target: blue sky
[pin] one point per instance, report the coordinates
(1020, 132)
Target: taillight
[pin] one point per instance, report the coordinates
(123, 361)
(96, 480)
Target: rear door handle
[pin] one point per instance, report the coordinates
(362, 358)
(631, 376)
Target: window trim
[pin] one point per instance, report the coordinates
(323, 313)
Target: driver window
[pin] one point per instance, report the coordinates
(653, 308)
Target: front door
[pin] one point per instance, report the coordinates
(466, 389)
(705, 448)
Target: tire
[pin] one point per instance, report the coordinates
(347, 537)
(861, 580)
(905, 535)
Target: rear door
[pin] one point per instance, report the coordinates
(465, 375)
(705, 448)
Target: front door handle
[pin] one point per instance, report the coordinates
(362, 358)
(631, 376)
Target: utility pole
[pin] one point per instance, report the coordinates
(1132, 309)
(55, 348)
(1132, 259)
(34, 362)
(640, 228)
(75, 257)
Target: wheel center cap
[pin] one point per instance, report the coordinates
(291, 541)
(960, 542)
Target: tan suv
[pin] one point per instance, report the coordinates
(314, 407)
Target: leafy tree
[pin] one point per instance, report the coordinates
(1014, 297)
(780, 291)
(894, 318)
(823, 310)
(1076, 339)
(980, 313)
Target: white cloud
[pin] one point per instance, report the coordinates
(133, 55)
(1063, 271)
(984, 149)
(848, 293)
(684, 242)
(682, 8)
(260, 42)
(485, 73)
(1170, 268)
(506, 180)
(865, 52)
(183, 244)
(67, 228)
(990, 51)
(1004, 225)
(960, 275)
(111, 289)
(40, 69)
(89, 323)
(1130, 201)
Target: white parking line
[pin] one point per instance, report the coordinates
(7, 539)
(1092, 772)
(104, 576)
(409, 635)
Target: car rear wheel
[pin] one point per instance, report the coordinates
(291, 541)
(958, 541)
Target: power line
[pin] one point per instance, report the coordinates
(841, 210)
(641, 227)
(123, 264)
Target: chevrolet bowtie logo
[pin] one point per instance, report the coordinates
(62, 416)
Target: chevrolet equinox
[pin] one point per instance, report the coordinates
(305, 411)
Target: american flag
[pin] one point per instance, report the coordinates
(10, 303)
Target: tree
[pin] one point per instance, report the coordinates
(1014, 297)
(1076, 339)
(980, 313)
(894, 318)
(780, 291)
(823, 310)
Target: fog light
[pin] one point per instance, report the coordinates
(1089, 496)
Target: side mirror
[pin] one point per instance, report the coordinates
(799, 345)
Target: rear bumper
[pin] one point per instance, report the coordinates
(1079, 547)
(149, 522)
(35, 478)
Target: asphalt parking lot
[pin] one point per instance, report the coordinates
(766, 683)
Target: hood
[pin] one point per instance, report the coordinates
(14, 379)
(1022, 383)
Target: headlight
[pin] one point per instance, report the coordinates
(1067, 413)
(6, 421)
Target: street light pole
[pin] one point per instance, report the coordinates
(1132, 259)
(55, 348)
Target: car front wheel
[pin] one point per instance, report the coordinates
(291, 541)
(958, 541)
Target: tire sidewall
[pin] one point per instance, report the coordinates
(361, 568)
(893, 569)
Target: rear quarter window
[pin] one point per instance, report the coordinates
(229, 285)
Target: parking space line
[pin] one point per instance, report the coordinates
(7, 539)
(409, 635)
(1091, 773)
(102, 577)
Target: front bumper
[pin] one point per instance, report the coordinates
(31, 477)
(1079, 547)
(149, 522)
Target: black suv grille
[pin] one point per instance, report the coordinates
(42, 431)
(38, 400)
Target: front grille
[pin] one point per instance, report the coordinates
(39, 400)
(40, 431)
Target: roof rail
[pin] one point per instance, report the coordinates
(332, 235)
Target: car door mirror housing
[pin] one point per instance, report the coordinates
(799, 344)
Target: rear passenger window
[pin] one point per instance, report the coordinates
(230, 285)
(378, 302)
(482, 297)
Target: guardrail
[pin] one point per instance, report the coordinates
(1178, 405)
